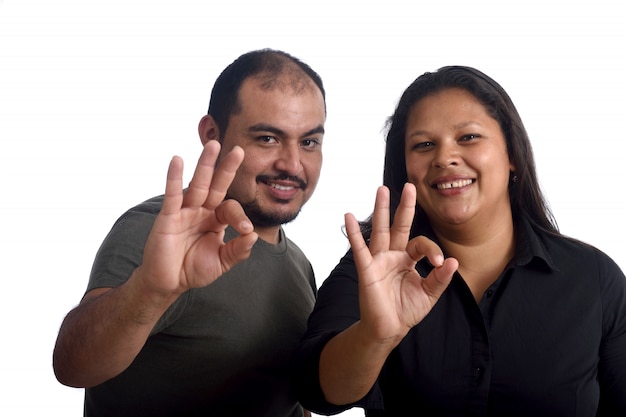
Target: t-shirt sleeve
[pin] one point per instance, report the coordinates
(121, 252)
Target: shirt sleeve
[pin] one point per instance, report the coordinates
(336, 309)
(121, 253)
(612, 366)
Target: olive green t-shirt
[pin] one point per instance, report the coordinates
(221, 350)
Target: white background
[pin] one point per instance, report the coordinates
(96, 97)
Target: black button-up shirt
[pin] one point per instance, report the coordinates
(548, 338)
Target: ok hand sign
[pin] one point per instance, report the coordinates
(393, 297)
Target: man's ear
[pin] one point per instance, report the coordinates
(208, 130)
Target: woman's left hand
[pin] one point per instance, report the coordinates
(393, 297)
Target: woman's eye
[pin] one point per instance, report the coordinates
(423, 146)
(469, 137)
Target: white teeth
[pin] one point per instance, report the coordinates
(454, 184)
(282, 187)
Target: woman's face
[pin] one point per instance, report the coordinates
(456, 156)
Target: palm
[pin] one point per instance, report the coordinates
(186, 246)
(393, 296)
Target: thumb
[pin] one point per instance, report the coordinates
(237, 250)
(437, 281)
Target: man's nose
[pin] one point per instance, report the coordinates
(289, 160)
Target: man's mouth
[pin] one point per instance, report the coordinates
(281, 187)
(282, 183)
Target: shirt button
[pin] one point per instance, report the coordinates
(477, 372)
(489, 293)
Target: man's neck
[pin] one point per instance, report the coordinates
(269, 234)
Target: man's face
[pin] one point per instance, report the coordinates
(281, 132)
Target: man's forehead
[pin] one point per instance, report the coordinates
(281, 110)
(287, 83)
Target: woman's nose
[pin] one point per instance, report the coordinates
(446, 155)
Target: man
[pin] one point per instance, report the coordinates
(157, 333)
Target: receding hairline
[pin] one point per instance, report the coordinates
(288, 77)
(266, 70)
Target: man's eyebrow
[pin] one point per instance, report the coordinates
(263, 127)
(316, 130)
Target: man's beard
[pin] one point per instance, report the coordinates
(263, 218)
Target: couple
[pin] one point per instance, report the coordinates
(458, 295)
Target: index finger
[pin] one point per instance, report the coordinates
(421, 246)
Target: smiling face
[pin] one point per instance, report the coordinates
(456, 156)
(281, 131)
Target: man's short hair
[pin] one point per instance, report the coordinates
(269, 65)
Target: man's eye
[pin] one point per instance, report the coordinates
(267, 139)
(310, 143)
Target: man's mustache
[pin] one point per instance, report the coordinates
(272, 178)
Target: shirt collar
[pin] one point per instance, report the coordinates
(530, 251)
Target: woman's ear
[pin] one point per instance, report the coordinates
(208, 130)
(512, 167)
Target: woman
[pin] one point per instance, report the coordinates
(472, 302)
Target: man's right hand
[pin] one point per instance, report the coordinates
(185, 249)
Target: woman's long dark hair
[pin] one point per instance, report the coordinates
(527, 199)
